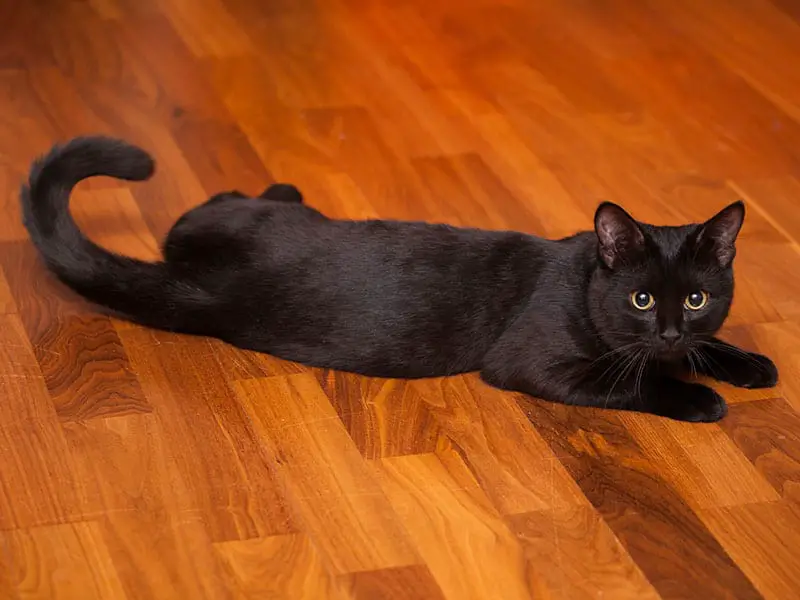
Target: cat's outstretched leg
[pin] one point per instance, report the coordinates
(282, 192)
(725, 362)
(659, 395)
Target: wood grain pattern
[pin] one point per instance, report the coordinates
(460, 536)
(281, 567)
(141, 464)
(165, 553)
(208, 437)
(572, 553)
(493, 437)
(7, 304)
(383, 417)
(690, 461)
(323, 475)
(38, 487)
(63, 561)
(768, 555)
(402, 583)
(768, 433)
(640, 506)
(79, 352)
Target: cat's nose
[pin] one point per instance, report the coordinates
(671, 336)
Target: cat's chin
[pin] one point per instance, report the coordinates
(672, 356)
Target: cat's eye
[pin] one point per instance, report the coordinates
(642, 300)
(696, 300)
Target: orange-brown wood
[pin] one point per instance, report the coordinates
(142, 464)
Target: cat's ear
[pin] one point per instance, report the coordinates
(716, 238)
(619, 236)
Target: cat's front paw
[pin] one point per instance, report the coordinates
(695, 403)
(757, 372)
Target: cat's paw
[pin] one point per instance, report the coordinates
(756, 372)
(696, 404)
(707, 406)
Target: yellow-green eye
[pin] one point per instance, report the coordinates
(642, 300)
(696, 300)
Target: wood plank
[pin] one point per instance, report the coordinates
(7, 587)
(401, 583)
(469, 192)
(663, 535)
(689, 460)
(209, 436)
(772, 199)
(561, 214)
(383, 417)
(195, 26)
(37, 483)
(496, 441)
(122, 464)
(7, 304)
(759, 270)
(79, 352)
(408, 114)
(763, 540)
(572, 553)
(465, 543)
(280, 567)
(761, 31)
(186, 565)
(63, 561)
(336, 497)
(768, 433)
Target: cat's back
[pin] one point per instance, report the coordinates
(292, 236)
(359, 295)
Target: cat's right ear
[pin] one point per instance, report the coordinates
(619, 237)
(717, 236)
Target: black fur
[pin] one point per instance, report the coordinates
(553, 319)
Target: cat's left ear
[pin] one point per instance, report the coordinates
(717, 236)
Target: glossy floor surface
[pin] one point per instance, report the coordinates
(138, 464)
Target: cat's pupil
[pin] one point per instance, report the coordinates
(695, 298)
(642, 299)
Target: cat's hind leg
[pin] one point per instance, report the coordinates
(282, 192)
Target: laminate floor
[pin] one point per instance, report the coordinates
(140, 464)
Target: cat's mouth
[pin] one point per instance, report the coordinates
(672, 354)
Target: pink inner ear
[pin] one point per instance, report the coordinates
(621, 233)
(618, 235)
(725, 254)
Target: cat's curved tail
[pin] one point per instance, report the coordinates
(145, 292)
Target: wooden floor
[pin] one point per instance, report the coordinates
(137, 464)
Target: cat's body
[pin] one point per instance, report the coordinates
(408, 299)
(371, 297)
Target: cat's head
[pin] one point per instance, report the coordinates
(662, 289)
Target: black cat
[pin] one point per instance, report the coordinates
(603, 318)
